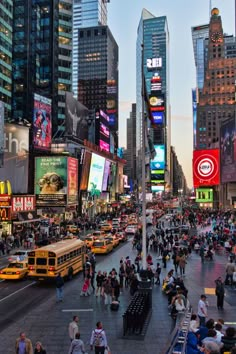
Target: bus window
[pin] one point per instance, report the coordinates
(31, 261)
(51, 261)
(41, 261)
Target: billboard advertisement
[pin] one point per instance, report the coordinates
(51, 180)
(206, 169)
(158, 163)
(156, 189)
(104, 146)
(96, 172)
(72, 190)
(16, 157)
(85, 171)
(194, 103)
(228, 151)
(106, 175)
(158, 117)
(42, 122)
(21, 203)
(158, 176)
(204, 195)
(77, 116)
(1, 133)
(156, 84)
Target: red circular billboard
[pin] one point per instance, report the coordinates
(206, 167)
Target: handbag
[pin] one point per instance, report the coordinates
(107, 351)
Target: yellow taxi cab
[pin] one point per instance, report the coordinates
(106, 227)
(14, 270)
(115, 241)
(102, 246)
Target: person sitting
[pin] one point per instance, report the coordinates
(194, 324)
(229, 340)
(212, 337)
(211, 348)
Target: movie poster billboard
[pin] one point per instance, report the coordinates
(206, 169)
(51, 180)
(77, 116)
(158, 163)
(1, 133)
(42, 122)
(106, 175)
(85, 171)
(228, 151)
(96, 172)
(72, 168)
(16, 157)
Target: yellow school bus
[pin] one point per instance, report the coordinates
(66, 256)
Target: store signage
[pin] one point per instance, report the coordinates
(5, 200)
(153, 63)
(23, 203)
(5, 213)
(5, 187)
(204, 195)
(206, 168)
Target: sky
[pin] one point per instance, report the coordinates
(123, 20)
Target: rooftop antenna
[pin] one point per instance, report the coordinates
(210, 8)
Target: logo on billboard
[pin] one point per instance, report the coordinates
(153, 63)
(206, 167)
(5, 214)
(23, 203)
(5, 187)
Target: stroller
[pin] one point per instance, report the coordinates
(85, 288)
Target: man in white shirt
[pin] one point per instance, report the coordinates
(73, 327)
(202, 310)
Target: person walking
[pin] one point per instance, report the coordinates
(98, 339)
(73, 327)
(230, 268)
(220, 293)
(182, 264)
(202, 310)
(23, 345)
(108, 291)
(99, 281)
(39, 348)
(59, 287)
(77, 345)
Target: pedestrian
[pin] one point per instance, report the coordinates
(59, 287)
(39, 348)
(77, 345)
(23, 345)
(202, 309)
(182, 264)
(73, 327)
(108, 291)
(98, 339)
(230, 268)
(157, 274)
(99, 281)
(220, 293)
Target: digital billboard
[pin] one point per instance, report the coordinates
(77, 116)
(42, 122)
(51, 180)
(16, 157)
(106, 175)
(72, 172)
(158, 163)
(156, 84)
(158, 176)
(194, 103)
(204, 195)
(158, 117)
(85, 170)
(157, 189)
(228, 151)
(104, 146)
(96, 172)
(206, 170)
(1, 133)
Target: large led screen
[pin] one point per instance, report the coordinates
(51, 180)
(228, 151)
(16, 157)
(72, 167)
(42, 123)
(158, 163)
(106, 175)
(85, 171)
(204, 195)
(104, 146)
(206, 170)
(96, 172)
(1, 133)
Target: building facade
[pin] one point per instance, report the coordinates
(42, 60)
(86, 13)
(98, 73)
(152, 62)
(6, 15)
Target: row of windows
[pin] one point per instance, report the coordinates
(70, 255)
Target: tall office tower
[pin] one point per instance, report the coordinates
(130, 155)
(217, 97)
(98, 73)
(86, 13)
(152, 61)
(199, 34)
(6, 14)
(42, 63)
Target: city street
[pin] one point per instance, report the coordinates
(31, 307)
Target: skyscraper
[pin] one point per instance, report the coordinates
(6, 14)
(98, 73)
(86, 13)
(42, 63)
(152, 60)
(130, 153)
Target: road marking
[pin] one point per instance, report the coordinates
(230, 323)
(2, 280)
(17, 291)
(77, 310)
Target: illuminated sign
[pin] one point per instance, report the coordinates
(154, 63)
(206, 168)
(5, 214)
(5, 187)
(158, 188)
(156, 101)
(22, 203)
(96, 172)
(158, 117)
(204, 195)
(158, 163)
(104, 146)
(228, 150)
(156, 84)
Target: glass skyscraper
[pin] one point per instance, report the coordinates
(86, 13)
(6, 14)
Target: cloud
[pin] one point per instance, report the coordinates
(125, 106)
(181, 118)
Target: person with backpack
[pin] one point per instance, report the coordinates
(98, 339)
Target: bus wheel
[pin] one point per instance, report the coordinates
(70, 273)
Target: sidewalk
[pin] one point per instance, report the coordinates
(49, 321)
